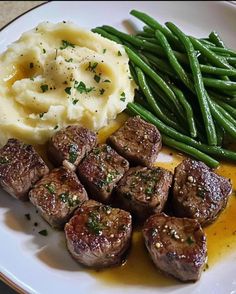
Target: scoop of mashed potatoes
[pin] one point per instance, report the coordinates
(58, 74)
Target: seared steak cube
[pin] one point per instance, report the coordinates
(177, 246)
(20, 168)
(57, 195)
(144, 191)
(101, 170)
(198, 192)
(138, 141)
(98, 235)
(70, 145)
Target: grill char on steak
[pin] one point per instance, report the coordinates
(177, 246)
(144, 191)
(137, 141)
(97, 235)
(198, 192)
(20, 168)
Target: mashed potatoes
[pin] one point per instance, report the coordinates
(59, 74)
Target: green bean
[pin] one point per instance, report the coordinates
(133, 73)
(190, 150)
(215, 39)
(212, 150)
(156, 26)
(198, 83)
(217, 71)
(106, 35)
(188, 110)
(221, 120)
(211, 56)
(219, 84)
(161, 64)
(149, 30)
(160, 94)
(229, 52)
(151, 101)
(226, 115)
(152, 74)
(219, 134)
(144, 34)
(151, 40)
(206, 42)
(231, 60)
(154, 48)
(231, 110)
(173, 61)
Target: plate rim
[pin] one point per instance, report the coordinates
(3, 277)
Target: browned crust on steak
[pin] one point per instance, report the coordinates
(198, 192)
(138, 141)
(70, 145)
(20, 168)
(177, 246)
(57, 195)
(98, 235)
(101, 170)
(144, 191)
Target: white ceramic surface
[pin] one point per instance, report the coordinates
(41, 264)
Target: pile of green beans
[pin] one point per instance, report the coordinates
(187, 85)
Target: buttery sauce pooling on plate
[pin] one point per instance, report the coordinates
(221, 235)
(138, 268)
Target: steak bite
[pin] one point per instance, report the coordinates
(198, 192)
(20, 168)
(144, 191)
(138, 141)
(57, 195)
(70, 145)
(177, 246)
(101, 170)
(98, 235)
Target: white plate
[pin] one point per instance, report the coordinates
(41, 264)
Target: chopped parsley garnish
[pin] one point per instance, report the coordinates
(67, 198)
(68, 90)
(109, 178)
(4, 160)
(101, 91)
(119, 53)
(93, 224)
(81, 88)
(28, 217)
(44, 51)
(56, 127)
(91, 67)
(149, 191)
(190, 240)
(75, 101)
(50, 188)
(122, 96)
(66, 44)
(106, 81)
(43, 232)
(73, 153)
(41, 114)
(104, 50)
(69, 60)
(31, 65)
(44, 87)
(32, 79)
(97, 78)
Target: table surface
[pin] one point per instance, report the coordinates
(9, 10)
